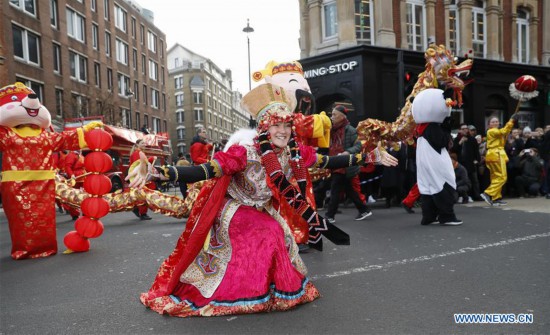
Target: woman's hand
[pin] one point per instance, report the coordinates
(138, 177)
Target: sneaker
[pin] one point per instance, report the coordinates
(499, 202)
(470, 200)
(425, 222)
(371, 200)
(455, 222)
(363, 216)
(486, 198)
(330, 220)
(136, 212)
(407, 208)
(459, 200)
(145, 217)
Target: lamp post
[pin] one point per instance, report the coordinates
(130, 95)
(248, 29)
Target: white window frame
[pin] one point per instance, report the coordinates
(121, 18)
(121, 51)
(25, 33)
(523, 40)
(329, 14)
(179, 99)
(151, 41)
(198, 114)
(20, 4)
(76, 25)
(155, 98)
(412, 37)
(178, 82)
(180, 116)
(106, 10)
(123, 85)
(36, 86)
(95, 36)
(56, 48)
(180, 133)
(93, 5)
(78, 58)
(54, 14)
(153, 70)
(108, 44)
(198, 97)
(359, 27)
(475, 31)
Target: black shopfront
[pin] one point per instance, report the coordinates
(372, 80)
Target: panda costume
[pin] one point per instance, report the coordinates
(435, 173)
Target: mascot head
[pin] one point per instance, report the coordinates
(430, 105)
(19, 105)
(289, 76)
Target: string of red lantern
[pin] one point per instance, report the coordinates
(96, 184)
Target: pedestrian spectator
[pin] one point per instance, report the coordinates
(535, 140)
(530, 166)
(466, 149)
(343, 138)
(463, 183)
(200, 148)
(473, 130)
(496, 159)
(140, 211)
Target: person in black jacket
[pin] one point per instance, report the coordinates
(463, 184)
(466, 149)
(530, 170)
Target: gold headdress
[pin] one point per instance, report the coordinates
(273, 67)
(269, 104)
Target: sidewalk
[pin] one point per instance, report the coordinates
(538, 205)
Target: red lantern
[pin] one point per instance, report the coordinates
(526, 84)
(95, 207)
(97, 184)
(75, 242)
(98, 139)
(98, 161)
(88, 228)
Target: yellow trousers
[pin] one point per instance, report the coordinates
(499, 176)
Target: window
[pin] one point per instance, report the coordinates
(179, 100)
(108, 44)
(53, 14)
(97, 74)
(163, 102)
(181, 134)
(180, 116)
(123, 84)
(138, 124)
(78, 66)
(28, 6)
(197, 97)
(93, 5)
(161, 49)
(145, 94)
(142, 34)
(330, 20)
(76, 25)
(134, 28)
(121, 52)
(152, 41)
(126, 118)
(198, 114)
(79, 105)
(110, 79)
(145, 120)
(106, 9)
(415, 25)
(59, 102)
(26, 45)
(523, 36)
(176, 62)
(56, 58)
(120, 18)
(156, 124)
(453, 28)
(478, 28)
(136, 91)
(134, 59)
(95, 36)
(178, 82)
(143, 64)
(153, 70)
(38, 88)
(162, 75)
(363, 21)
(155, 98)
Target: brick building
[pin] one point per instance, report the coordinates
(87, 58)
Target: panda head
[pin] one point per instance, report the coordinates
(430, 105)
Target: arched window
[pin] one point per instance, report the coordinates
(523, 36)
(478, 28)
(416, 25)
(364, 32)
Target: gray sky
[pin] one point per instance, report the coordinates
(213, 29)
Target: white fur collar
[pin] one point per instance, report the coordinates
(241, 137)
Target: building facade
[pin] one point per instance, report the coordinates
(201, 97)
(88, 58)
(361, 51)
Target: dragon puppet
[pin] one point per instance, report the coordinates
(441, 71)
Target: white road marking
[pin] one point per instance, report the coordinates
(460, 251)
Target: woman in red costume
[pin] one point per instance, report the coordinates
(237, 254)
(28, 186)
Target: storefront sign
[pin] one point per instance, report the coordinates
(331, 69)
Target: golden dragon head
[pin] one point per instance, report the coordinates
(442, 70)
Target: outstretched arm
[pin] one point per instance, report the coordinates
(378, 156)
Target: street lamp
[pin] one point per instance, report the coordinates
(129, 95)
(248, 29)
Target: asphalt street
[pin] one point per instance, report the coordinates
(396, 277)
